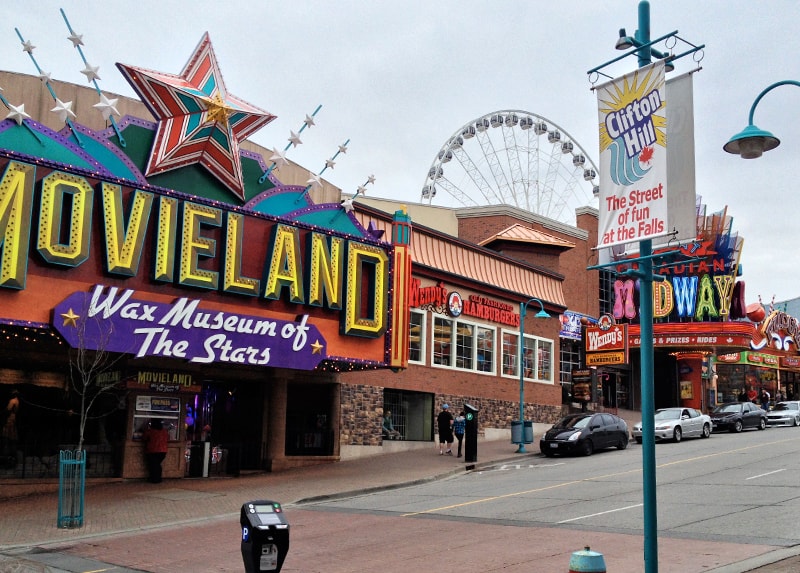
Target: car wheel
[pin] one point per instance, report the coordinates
(796, 422)
(638, 440)
(548, 453)
(706, 431)
(587, 449)
(762, 424)
(677, 434)
(737, 426)
(623, 443)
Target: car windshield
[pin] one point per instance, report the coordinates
(668, 414)
(785, 406)
(573, 422)
(728, 408)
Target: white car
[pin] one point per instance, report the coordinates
(784, 413)
(676, 424)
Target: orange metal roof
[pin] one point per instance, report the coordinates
(454, 257)
(523, 234)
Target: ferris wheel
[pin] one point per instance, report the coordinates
(517, 158)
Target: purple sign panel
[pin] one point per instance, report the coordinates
(110, 319)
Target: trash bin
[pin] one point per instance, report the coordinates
(265, 536)
(521, 432)
(471, 433)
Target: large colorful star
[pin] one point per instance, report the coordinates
(198, 120)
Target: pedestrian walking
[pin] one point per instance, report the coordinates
(459, 425)
(445, 422)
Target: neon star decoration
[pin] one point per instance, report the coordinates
(198, 120)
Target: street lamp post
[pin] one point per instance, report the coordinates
(752, 141)
(521, 352)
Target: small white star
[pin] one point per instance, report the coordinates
(279, 157)
(330, 163)
(76, 39)
(314, 181)
(309, 121)
(107, 106)
(371, 179)
(63, 109)
(361, 190)
(91, 72)
(342, 149)
(347, 205)
(45, 77)
(17, 113)
(27, 46)
(294, 139)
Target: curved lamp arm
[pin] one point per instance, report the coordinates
(752, 141)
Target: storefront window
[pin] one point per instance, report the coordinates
(465, 337)
(164, 408)
(442, 341)
(416, 341)
(510, 354)
(486, 349)
(537, 358)
(411, 413)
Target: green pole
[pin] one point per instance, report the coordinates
(646, 355)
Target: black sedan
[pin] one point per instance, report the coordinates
(735, 416)
(584, 433)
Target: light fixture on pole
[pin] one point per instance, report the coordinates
(626, 42)
(521, 354)
(752, 141)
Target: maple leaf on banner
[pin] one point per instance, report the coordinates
(646, 155)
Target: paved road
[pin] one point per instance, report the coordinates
(192, 525)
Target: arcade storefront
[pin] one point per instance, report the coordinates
(153, 270)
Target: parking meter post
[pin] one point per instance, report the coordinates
(265, 536)
(471, 433)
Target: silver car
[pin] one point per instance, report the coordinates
(784, 414)
(676, 424)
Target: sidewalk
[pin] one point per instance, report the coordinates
(137, 507)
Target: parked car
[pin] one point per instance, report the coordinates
(584, 433)
(676, 424)
(784, 413)
(735, 416)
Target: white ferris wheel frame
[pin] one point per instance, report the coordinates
(518, 177)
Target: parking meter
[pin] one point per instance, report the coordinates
(265, 536)
(471, 433)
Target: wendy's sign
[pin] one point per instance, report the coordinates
(111, 320)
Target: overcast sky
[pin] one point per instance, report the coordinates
(399, 78)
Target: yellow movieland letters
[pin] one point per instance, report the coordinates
(56, 188)
(124, 246)
(16, 200)
(341, 274)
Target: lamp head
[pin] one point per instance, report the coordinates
(541, 314)
(624, 42)
(751, 142)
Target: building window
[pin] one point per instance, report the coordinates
(606, 292)
(416, 339)
(537, 361)
(463, 345)
(412, 413)
(510, 354)
(442, 341)
(569, 360)
(485, 349)
(465, 341)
